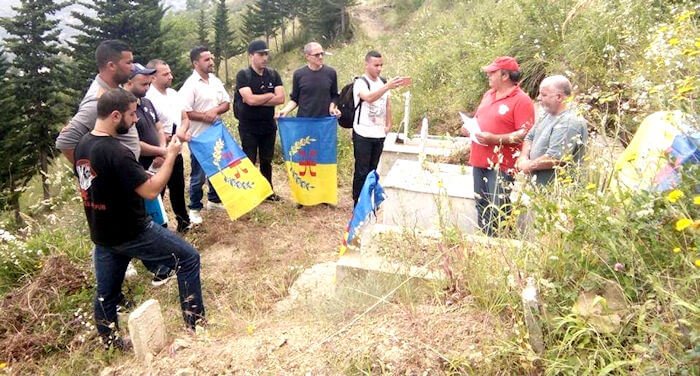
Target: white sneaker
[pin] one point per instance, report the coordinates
(195, 218)
(130, 271)
(215, 205)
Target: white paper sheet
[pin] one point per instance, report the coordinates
(471, 125)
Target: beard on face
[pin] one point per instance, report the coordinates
(123, 127)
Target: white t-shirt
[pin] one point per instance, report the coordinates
(168, 107)
(198, 95)
(372, 115)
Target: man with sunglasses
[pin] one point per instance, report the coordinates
(314, 86)
(259, 90)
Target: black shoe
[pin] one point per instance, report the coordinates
(183, 227)
(117, 343)
(273, 197)
(160, 279)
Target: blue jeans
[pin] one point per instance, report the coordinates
(492, 194)
(197, 179)
(155, 246)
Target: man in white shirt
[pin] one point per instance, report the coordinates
(174, 119)
(204, 98)
(372, 118)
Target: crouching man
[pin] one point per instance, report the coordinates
(113, 185)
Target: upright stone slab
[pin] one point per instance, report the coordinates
(396, 148)
(147, 329)
(428, 198)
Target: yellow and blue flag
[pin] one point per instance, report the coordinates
(238, 182)
(309, 146)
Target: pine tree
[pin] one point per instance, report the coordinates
(139, 24)
(202, 28)
(14, 159)
(223, 38)
(328, 19)
(36, 79)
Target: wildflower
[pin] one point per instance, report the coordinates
(619, 267)
(696, 200)
(250, 329)
(675, 195)
(697, 263)
(677, 250)
(590, 186)
(683, 223)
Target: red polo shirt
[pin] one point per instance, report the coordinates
(513, 112)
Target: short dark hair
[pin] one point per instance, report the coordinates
(513, 76)
(371, 54)
(195, 52)
(110, 50)
(154, 63)
(114, 100)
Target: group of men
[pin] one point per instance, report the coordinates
(509, 139)
(125, 140)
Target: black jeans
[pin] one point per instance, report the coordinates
(176, 186)
(492, 193)
(367, 152)
(263, 144)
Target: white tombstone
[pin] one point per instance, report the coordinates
(147, 329)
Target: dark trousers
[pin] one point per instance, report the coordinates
(492, 190)
(259, 144)
(154, 246)
(367, 152)
(176, 186)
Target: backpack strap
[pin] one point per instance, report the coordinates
(359, 102)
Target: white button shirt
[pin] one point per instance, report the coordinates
(199, 95)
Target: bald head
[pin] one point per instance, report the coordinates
(311, 46)
(557, 82)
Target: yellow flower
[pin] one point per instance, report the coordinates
(3, 365)
(674, 41)
(697, 263)
(683, 223)
(675, 195)
(677, 250)
(696, 200)
(250, 329)
(590, 186)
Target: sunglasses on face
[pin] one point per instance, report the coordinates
(320, 54)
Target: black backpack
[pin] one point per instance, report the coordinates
(346, 103)
(237, 98)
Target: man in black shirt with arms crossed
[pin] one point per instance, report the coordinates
(113, 185)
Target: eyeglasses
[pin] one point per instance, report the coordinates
(320, 54)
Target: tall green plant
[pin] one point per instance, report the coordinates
(37, 82)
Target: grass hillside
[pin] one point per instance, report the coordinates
(618, 273)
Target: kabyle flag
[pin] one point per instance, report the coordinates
(309, 148)
(371, 196)
(238, 182)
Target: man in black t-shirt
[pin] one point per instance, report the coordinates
(261, 90)
(314, 86)
(113, 185)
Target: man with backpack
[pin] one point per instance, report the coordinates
(258, 90)
(372, 118)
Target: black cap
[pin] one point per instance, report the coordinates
(257, 46)
(137, 68)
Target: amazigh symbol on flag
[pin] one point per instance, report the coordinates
(239, 184)
(310, 146)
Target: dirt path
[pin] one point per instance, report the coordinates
(367, 15)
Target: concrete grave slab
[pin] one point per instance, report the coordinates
(396, 147)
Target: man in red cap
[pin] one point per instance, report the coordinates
(505, 115)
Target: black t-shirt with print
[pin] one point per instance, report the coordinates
(146, 126)
(314, 90)
(259, 119)
(108, 175)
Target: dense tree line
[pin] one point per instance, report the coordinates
(45, 80)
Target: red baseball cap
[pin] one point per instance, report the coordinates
(502, 62)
